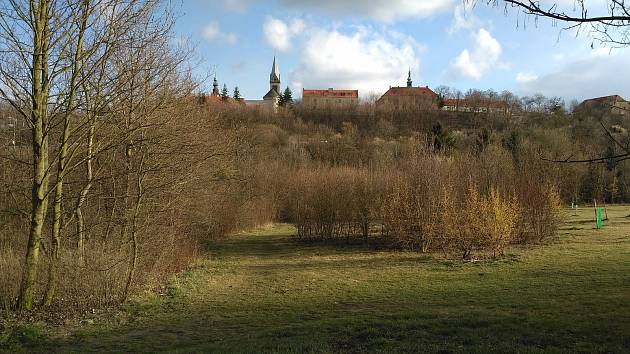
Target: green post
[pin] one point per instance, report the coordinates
(599, 218)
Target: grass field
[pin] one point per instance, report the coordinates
(262, 292)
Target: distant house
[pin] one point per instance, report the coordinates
(329, 99)
(614, 104)
(408, 98)
(475, 106)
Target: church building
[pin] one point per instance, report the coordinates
(215, 87)
(273, 96)
(271, 99)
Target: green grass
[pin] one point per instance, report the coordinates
(262, 292)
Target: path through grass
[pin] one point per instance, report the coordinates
(262, 292)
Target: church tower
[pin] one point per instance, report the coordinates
(273, 95)
(274, 78)
(215, 87)
(409, 82)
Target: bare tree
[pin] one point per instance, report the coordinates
(83, 14)
(64, 67)
(29, 66)
(609, 25)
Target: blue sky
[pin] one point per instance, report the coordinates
(370, 45)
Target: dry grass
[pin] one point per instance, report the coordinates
(261, 291)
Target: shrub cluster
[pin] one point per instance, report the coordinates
(431, 203)
(331, 203)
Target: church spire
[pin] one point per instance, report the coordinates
(409, 82)
(274, 78)
(215, 86)
(275, 72)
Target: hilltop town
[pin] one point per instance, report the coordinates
(405, 98)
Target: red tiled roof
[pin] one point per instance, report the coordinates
(604, 99)
(329, 92)
(409, 91)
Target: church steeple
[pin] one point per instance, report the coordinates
(409, 82)
(274, 78)
(215, 87)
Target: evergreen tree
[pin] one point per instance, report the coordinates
(237, 94)
(224, 93)
(281, 100)
(442, 138)
(286, 99)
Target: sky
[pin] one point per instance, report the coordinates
(371, 45)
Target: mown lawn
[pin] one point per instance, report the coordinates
(262, 292)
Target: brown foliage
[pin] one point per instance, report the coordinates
(453, 205)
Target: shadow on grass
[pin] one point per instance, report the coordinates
(367, 327)
(533, 308)
(288, 246)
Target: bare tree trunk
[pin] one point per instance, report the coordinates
(125, 221)
(83, 195)
(94, 103)
(134, 227)
(63, 158)
(39, 119)
(125, 204)
(134, 241)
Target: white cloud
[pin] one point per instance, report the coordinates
(213, 32)
(297, 26)
(558, 57)
(463, 18)
(593, 75)
(381, 10)
(278, 34)
(366, 60)
(483, 57)
(523, 78)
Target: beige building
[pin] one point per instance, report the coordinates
(408, 98)
(614, 104)
(329, 99)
